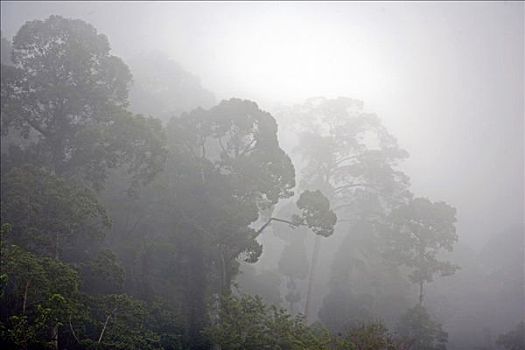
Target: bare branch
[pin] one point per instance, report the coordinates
(260, 230)
(72, 330)
(105, 325)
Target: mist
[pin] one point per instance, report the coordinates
(438, 89)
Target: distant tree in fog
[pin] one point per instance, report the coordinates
(6, 51)
(349, 155)
(417, 233)
(293, 264)
(162, 88)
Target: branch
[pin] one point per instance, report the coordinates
(248, 148)
(222, 145)
(35, 126)
(340, 188)
(26, 289)
(260, 230)
(105, 325)
(72, 330)
(203, 146)
(339, 161)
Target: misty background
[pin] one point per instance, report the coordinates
(447, 80)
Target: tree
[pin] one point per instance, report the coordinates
(183, 236)
(239, 141)
(247, 323)
(346, 152)
(228, 160)
(38, 295)
(417, 232)
(67, 94)
(293, 264)
(352, 158)
(371, 336)
(42, 306)
(112, 321)
(238, 163)
(363, 285)
(162, 88)
(422, 332)
(50, 216)
(194, 222)
(5, 50)
(315, 214)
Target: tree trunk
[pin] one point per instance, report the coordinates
(106, 325)
(224, 287)
(54, 330)
(56, 246)
(195, 292)
(26, 290)
(421, 293)
(421, 262)
(315, 256)
(225, 284)
(54, 337)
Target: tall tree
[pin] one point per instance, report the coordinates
(225, 167)
(293, 263)
(231, 156)
(38, 296)
(67, 93)
(350, 156)
(417, 233)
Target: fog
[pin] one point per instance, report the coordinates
(446, 80)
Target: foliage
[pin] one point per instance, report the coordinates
(417, 232)
(67, 93)
(102, 274)
(50, 216)
(423, 332)
(316, 213)
(348, 151)
(113, 321)
(38, 295)
(351, 157)
(363, 286)
(246, 323)
(240, 141)
(371, 336)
